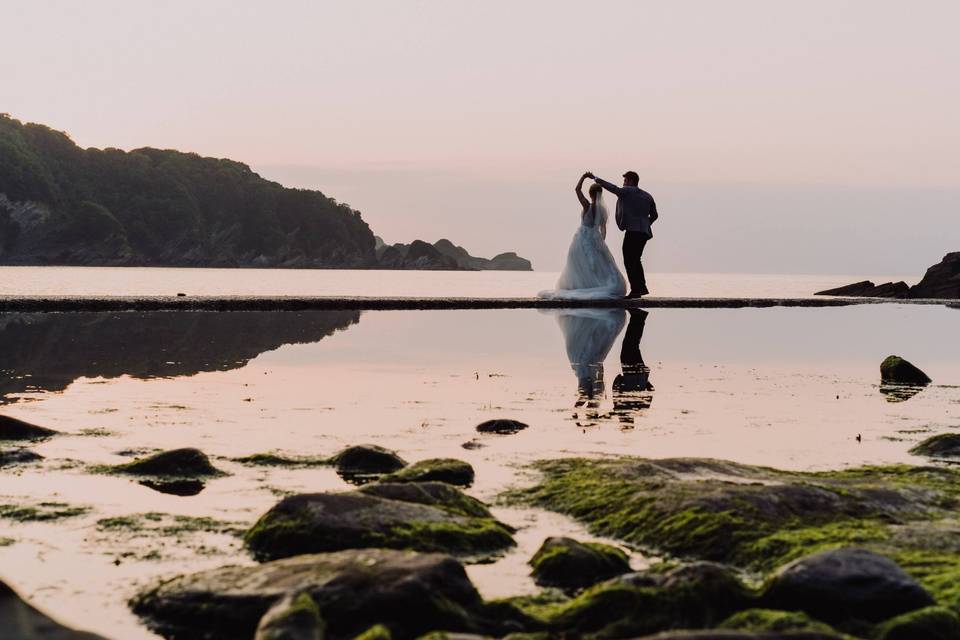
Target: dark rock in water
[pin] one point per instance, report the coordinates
(13, 429)
(472, 445)
(724, 634)
(409, 593)
(448, 470)
(316, 522)
(896, 370)
(434, 494)
(846, 584)
(502, 427)
(20, 621)
(183, 488)
(295, 617)
(944, 445)
(180, 463)
(18, 456)
(932, 623)
(569, 564)
(855, 289)
(942, 280)
(366, 461)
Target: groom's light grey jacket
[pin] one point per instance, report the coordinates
(636, 209)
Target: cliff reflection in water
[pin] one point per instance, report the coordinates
(48, 351)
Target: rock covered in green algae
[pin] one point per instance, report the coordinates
(408, 593)
(570, 564)
(13, 429)
(931, 623)
(20, 621)
(773, 620)
(434, 494)
(727, 634)
(449, 470)
(363, 461)
(178, 463)
(896, 370)
(944, 445)
(311, 523)
(295, 617)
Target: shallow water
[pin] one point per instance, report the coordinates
(788, 388)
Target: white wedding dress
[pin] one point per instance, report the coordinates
(590, 272)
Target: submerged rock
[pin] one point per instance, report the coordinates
(896, 370)
(569, 564)
(434, 494)
(295, 617)
(931, 623)
(409, 593)
(364, 462)
(846, 584)
(180, 463)
(449, 470)
(944, 445)
(501, 426)
(18, 456)
(311, 523)
(20, 621)
(13, 429)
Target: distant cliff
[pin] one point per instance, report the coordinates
(64, 205)
(443, 254)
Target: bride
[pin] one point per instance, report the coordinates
(590, 272)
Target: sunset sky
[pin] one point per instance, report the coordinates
(814, 136)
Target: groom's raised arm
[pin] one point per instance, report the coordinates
(609, 186)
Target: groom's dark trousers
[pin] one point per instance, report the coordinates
(633, 245)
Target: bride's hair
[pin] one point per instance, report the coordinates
(595, 191)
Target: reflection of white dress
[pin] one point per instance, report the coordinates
(590, 272)
(588, 335)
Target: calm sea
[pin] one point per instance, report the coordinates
(119, 281)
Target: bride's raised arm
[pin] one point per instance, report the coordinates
(579, 189)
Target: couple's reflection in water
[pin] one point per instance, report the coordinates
(589, 335)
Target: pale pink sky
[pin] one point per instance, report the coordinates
(777, 136)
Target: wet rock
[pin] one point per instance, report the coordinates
(569, 564)
(408, 593)
(774, 620)
(376, 632)
(846, 584)
(942, 280)
(13, 429)
(944, 445)
(449, 470)
(471, 445)
(184, 488)
(365, 462)
(18, 456)
(180, 463)
(896, 370)
(434, 494)
(20, 621)
(501, 427)
(726, 634)
(311, 523)
(931, 623)
(295, 617)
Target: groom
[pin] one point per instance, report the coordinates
(636, 211)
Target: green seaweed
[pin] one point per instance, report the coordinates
(272, 459)
(773, 620)
(41, 512)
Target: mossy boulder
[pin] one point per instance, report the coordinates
(376, 632)
(758, 518)
(569, 564)
(501, 427)
(896, 370)
(773, 620)
(931, 623)
(176, 463)
(449, 470)
(312, 523)
(408, 593)
(944, 445)
(434, 494)
(20, 621)
(364, 462)
(295, 617)
(13, 429)
(729, 634)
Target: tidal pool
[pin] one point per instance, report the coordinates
(788, 388)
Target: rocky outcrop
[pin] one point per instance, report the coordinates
(14, 429)
(896, 370)
(945, 445)
(20, 621)
(444, 255)
(570, 564)
(942, 280)
(175, 463)
(317, 522)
